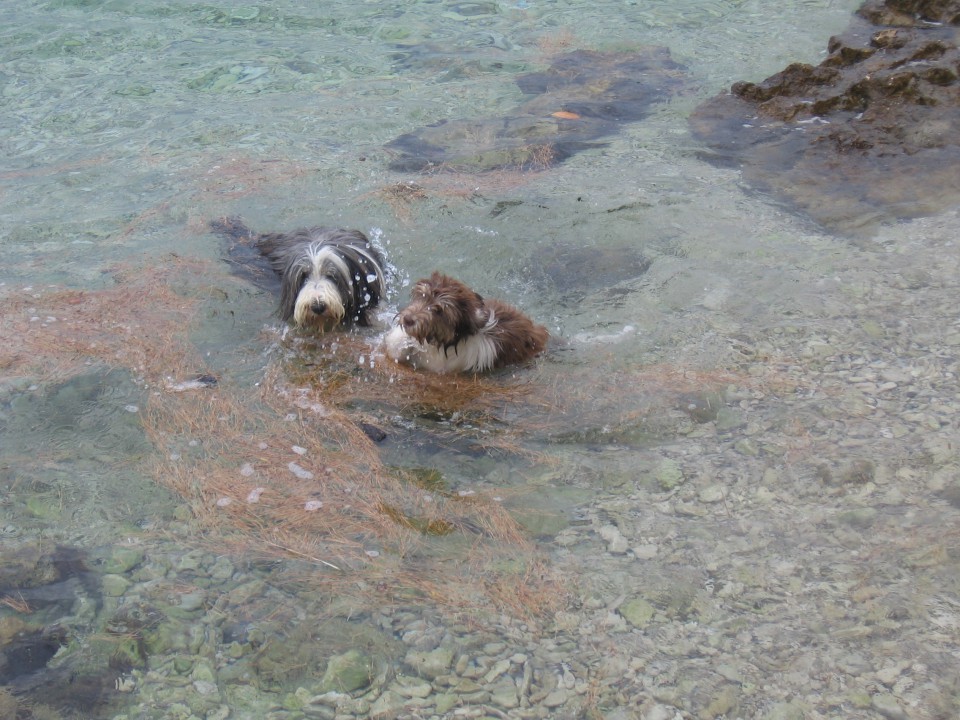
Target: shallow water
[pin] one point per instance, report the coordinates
(737, 464)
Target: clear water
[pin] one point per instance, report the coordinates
(701, 328)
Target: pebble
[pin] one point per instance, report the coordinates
(430, 663)
(616, 542)
(299, 471)
(498, 669)
(114, 585)
(888, 707)
(505, 696)
(411, 687)
(889, 675)
(711, 494)
(388, 704)
(644, 552)
(192, 601)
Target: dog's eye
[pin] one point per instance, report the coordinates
(435, 309)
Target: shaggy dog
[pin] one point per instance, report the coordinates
(447, 327)
(328, 276)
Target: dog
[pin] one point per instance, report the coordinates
(328, 276)
(447, 328)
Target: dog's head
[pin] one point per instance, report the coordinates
(315, 287)
(334, 279)
(443, 311)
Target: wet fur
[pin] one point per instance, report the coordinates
(447, 327)
(328, 276)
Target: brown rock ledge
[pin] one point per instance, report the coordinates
(870, 135)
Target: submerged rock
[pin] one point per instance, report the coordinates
(582, 97)
(871, 134)
(347, 672)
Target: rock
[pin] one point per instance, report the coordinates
(444, 702)
(574, 271)
(203, 672)
(347, 672)
(888, 707)
(122, 559)
(845, 141)
(889, 675)
(318, 712)
(330, 699)
(746, 446)
(668, 475)
(430, 663)
(192, 601)
(794, 710)
(582, 97)
(411, 687)
(505, 695)
(373, 432)
(222, 569)
(638, 612)
(730, 418)
(702, 407)
(858, 472)
(722, 704)
(205, 687)
(387, 705)
(645, 552)
(467, 686)
(556, 698)
(711, 494)
(860, 518)
(43, 507)
(114, 585)
(660, 712)
(616, 542)
(190, 562)
(498, 669)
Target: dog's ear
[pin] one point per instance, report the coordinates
(481, 313)
(290, 283)
(472, 314)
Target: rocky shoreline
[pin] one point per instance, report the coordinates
(866, 137)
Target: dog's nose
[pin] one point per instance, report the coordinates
(406, 321)
(319, 307)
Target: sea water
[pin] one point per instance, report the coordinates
(734, 472)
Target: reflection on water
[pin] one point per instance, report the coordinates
(728, 489)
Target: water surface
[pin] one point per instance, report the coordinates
(730, 488)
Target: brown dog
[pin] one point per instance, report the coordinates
(447, 327)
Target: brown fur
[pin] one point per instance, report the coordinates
(443, 312)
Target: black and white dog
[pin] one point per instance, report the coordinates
(328, 276)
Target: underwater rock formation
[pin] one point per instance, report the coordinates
(582, 97)
(870, 135)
